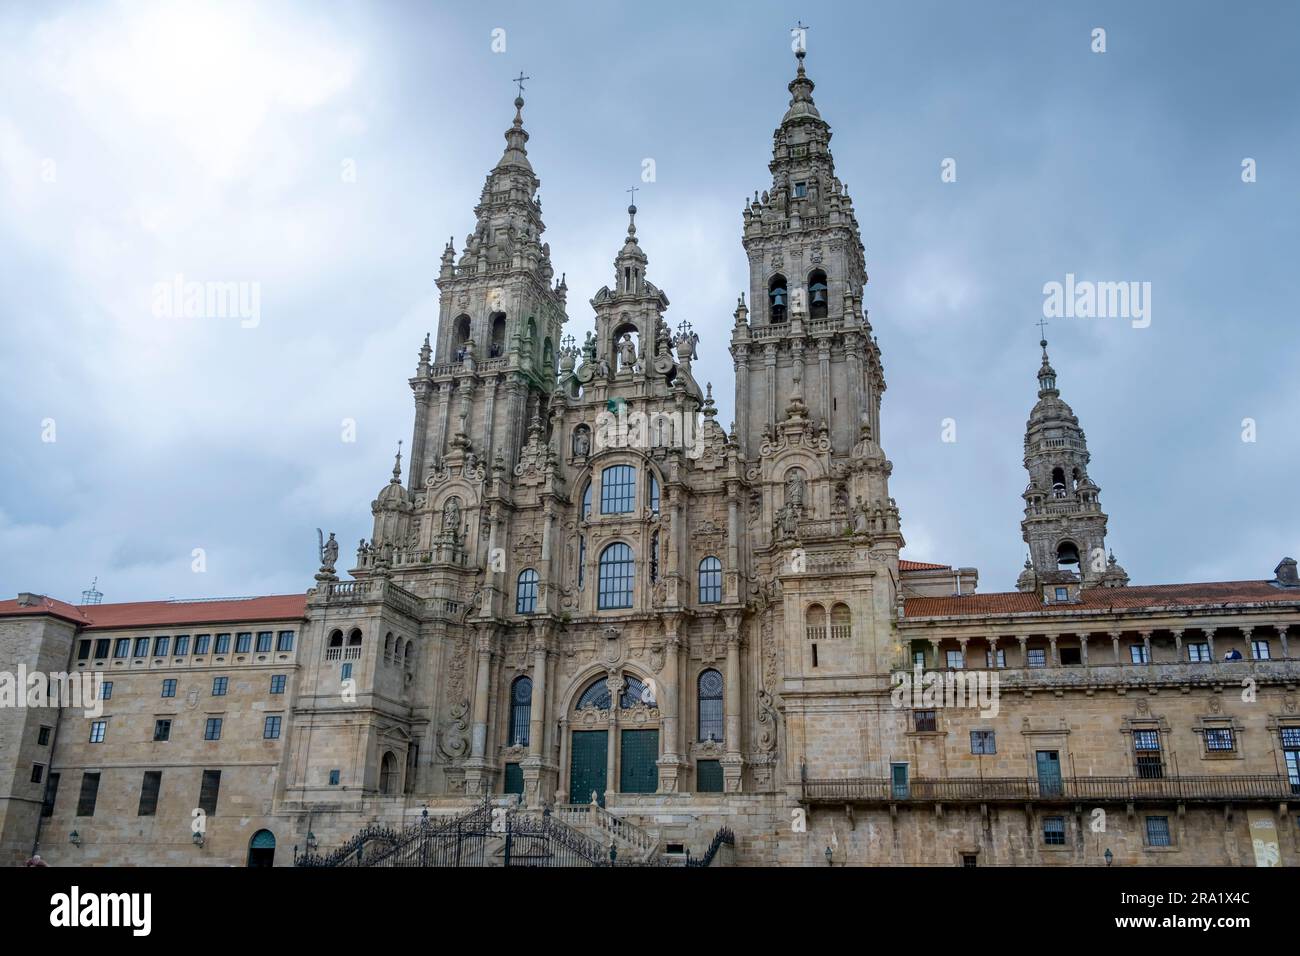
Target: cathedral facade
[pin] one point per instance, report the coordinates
(583, 596)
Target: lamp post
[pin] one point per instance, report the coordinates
(1110, 857)
(74, 838)
(830, 857)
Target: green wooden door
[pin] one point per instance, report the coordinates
(708, 776)
(587, 765)
(639, 772)
(514, 779)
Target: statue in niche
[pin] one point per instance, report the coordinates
(582, 441)
(451, 516)
(626, 353)
(860, 517)
(794, 488)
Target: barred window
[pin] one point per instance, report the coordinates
(710, 581)
(711, 710)
(983, 742)
(1146, 745)
(521, 710)
(617, 489)
(635, 691)
(1054, 831)
(526, 592)
(1158, 831)
(1037, 657)
(925, 720)
(1219, 739)
(615, 584)
(596, 695)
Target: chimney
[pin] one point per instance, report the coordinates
(28, 599)
(1286, 574)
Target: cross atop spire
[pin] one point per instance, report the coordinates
(799, 42)
(519, 81)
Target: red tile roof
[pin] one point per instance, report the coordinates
(1209, 594)
(276, 607)
(904, 565)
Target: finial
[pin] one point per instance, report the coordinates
(631, 211)
(519, 100)
(800, 33)
(397, 464)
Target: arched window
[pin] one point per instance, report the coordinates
(653, 492)
(460, 335)
(521, 710)
(635, 691)
(1058, 482)
(1067, 554)
(615, 581)
(816, 622)
(408, 655)
(526, 592)
(497, 348)
(261, 849)
(818, 300)
(388, 646)
(354, 639)
(711, 717)
(617, 489)
(841, 622)
(388, 773)
(586, 501)
(596, 695)
(777, 298)
(710, 580)
(336, 639)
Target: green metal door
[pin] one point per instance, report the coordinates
(639, 772)
(587, 766)
(1049, 773)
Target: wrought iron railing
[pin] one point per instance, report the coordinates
(723, 837)
(1204, 788)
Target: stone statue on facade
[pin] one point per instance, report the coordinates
(626, 353)
(794, 489)
(329, 551)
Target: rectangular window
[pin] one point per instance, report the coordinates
(334, 778)
(43, 737)
(1158, 831)
(1259, 650)
(285, 641)
(1071, 656)
(182, 645)
(83, 650)
(122, 648)
(617, 489)
(800, 190)
(1054, 831)
(97, 730)
(277, 683)
(149, 788)
(141, 647)
(954, 660)
(1137, 653)
(1037, 657)
(51, 793)
(162, 730)
(223, 644)
(38, 771)
(201, 643)
(1062, 594)
(1219, 740)
(209, 791)
(918, 659)
(1291, 754)
(1198, 652)
(345, 672)
(161, 645)
(271, 729)
(264, 639)
(1001, 661)
(89, 794)
(924, 721)
(1146, 747)
(983, 742)
(212, 729)
(169, 687)
(106, 690)
(219, 686)
(243, 643)
(102, 647)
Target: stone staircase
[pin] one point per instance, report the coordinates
(595, 821)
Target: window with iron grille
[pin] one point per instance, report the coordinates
(1037, 657)
(97, 730)
(162, 730)
(924, 720)
(277, 683)
(89, 795)
(1054, 831)
(149, 788)
(969, 859)
(1146, 747)
(596, 695)
(271, 729)
(615, 582)
(526, 592)
(1158, 831)
(210, 791)
(1198, 652)
(635, 691)
(710, 581)
(617, 489)
(983, 742)
(169, 687)
(212, 729)
(219, 686)
(1219, 739)
(243, 642)
(264, 640)
(709, 687)
(285, 641)
(521, 710)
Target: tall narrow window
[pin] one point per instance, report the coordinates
(615, 582)
(710, 695)
(710, 581)
(586, 501)
(1291, 754)
(521, 710)
(89, 795)
(654, 493)
(818, 299)
(1146, 747)
(210, 791)
(526, 592)
(617, 489)
(149, 788)
(776, 297)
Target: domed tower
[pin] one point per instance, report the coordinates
(1064, 525)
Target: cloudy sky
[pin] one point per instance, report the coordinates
(326, 151)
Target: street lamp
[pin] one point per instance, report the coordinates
(613, 854)
(74, 838)
(198, 840)
(830, 860)
(1110, 857)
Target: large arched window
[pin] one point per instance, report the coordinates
(615, 581)
(841, 622)
(596, 695)
(617, 489)
(1067, 555)
(711, 716)
(816, 622)
(460, 335)
(521, 710)
(710, 580)
(497, 348)
(526, 592)
(777, 298)
(817, 295)
(635, 691)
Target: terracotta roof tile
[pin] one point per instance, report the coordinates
(904, 565)
(1208, 594)
(276, 607)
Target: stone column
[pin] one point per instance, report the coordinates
(993, 652)
(742, 407)
(1056, 658)
(546, 570)
(1209, 639)
(537, 719)
(419, 440)
(670, 761)
(477, 769)
(1146, 644)
(1178, 644)
(1083, 648)
(1114, 642)
(1249, 652)
(963, 641)
(934, 661)
(824, 373)
(1281, 634)
(1024, 650)
(614, 682)
(731, 573)
(732, 762)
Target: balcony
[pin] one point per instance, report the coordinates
(1208, 788)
